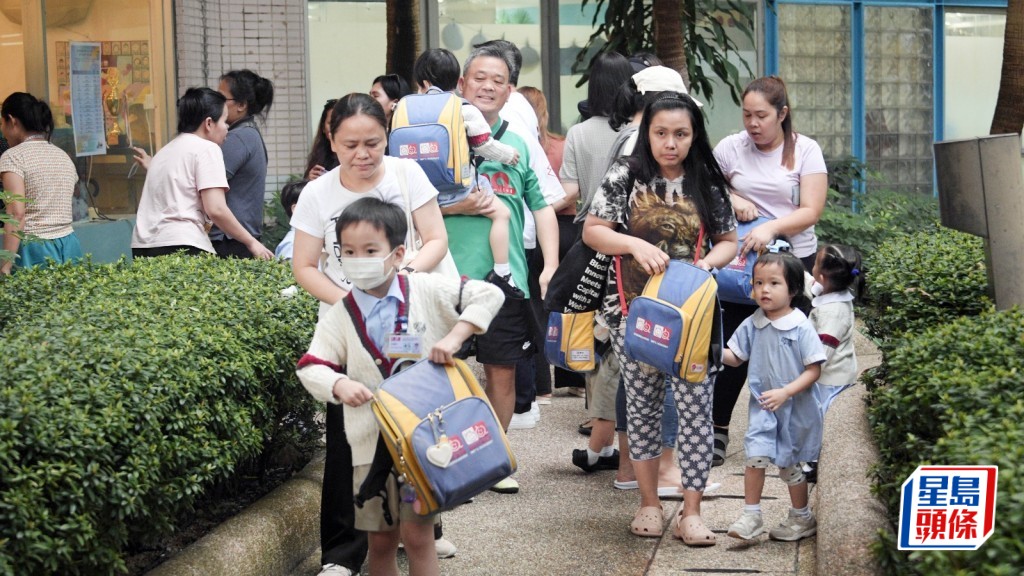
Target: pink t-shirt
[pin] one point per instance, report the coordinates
(761, 178)
(171, 209)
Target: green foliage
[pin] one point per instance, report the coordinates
(868, 219)
(625, 26)
(275, 224)
(951, 395)
(922, 280)
(129, 389)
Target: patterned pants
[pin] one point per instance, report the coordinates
(645, 397)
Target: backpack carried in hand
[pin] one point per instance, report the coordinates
(675, 325)
(430, 129)
(442, 434)
(735, 280)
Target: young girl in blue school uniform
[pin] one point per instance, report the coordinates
(785, 423)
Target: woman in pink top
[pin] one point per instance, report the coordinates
(773, 172)
(186, 185)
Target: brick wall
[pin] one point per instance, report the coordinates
(266, 36)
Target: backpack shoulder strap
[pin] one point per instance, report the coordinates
(383, 362)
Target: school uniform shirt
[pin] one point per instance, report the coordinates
(761, 178)
(171, 209)
(324, 199)
(660, 213)
(336, 350)
(778, 352)
(468, 235)
(832, 317)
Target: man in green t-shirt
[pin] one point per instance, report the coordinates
(485, 83)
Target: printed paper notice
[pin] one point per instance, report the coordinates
(87, 99)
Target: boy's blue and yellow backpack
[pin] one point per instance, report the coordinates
(675, 325)
(430, 129)
(442, 434)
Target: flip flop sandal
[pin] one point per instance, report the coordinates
(669, 493)
(626, 484)
(692, 531)
(649, 522)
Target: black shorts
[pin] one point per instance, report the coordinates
(508, 339)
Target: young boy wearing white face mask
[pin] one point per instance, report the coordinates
(387, 317)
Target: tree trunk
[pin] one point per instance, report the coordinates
(403, 21)
(668, 35)
(1009, 115)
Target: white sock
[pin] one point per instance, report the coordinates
(607, 451)
(502, 269)
(752, 508)
(804, 512)
(592, 456)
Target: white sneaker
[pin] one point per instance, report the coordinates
(506, 486)
(445, 549)
(336, 570)
(535, 411)
(748, 527)
(522, 421)
(794, 528)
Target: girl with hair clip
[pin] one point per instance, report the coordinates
(662, 203)
(186, 186)
(387, 90)
(838, 282)
(784, 426)
(249, 96)
(44, 178)
(322, 158)
(775, 172)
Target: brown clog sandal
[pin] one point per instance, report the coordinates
(692, 531)
(649, 522)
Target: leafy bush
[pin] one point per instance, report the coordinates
(925, 279)
(131, 388)
(952, 396)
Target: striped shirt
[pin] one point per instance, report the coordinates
(50, 179)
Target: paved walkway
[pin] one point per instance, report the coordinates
(565, 522)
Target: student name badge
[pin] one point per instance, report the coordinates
(403, 346)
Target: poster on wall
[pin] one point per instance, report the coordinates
(87, 99)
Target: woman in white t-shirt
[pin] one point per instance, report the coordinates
(773, 172)
(186, 185)
(359, 138)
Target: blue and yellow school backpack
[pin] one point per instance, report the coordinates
(675, 324)
(443, 435)
(429, 128)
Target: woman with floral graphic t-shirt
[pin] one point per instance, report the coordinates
(649, 209)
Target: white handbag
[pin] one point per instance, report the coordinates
(413, 242)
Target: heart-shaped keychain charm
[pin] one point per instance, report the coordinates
(440, 454)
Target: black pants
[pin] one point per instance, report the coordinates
(340, 542)
(533, 375)
(165, 251)
(230, 248)
(731, 380)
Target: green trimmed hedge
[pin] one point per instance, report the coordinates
(952, 395)
(129, 389)
(924, 279)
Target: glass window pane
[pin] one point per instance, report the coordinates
(347, 50)
(974, 58)
(817, 73)
(899, 99)
(12, 51)
(122, 27)
(468, 22)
